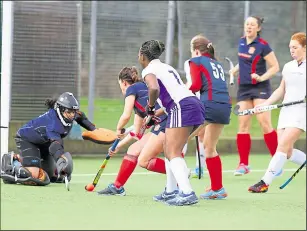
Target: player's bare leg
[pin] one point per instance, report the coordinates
(202, 155)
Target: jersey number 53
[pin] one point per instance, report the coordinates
(218, 71)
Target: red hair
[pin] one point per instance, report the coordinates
(300, 37)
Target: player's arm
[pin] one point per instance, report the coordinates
(125, 117)
(278, 94)
(159, 112)
(138, 121)
(83, 121)
(153, 89)
(195, 77)
(272, 62)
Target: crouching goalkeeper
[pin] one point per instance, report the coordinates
(42, 158)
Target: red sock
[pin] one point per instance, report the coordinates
(271, 141)
(126, 169)
(156, 165)
(244, 146)
(214, 166)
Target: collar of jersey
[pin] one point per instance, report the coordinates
(154, 61)
(256, 40)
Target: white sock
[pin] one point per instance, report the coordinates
(180, 171)
(201, 153)
(298, 157)
(171, 183)
(276, 164)
(185, 148)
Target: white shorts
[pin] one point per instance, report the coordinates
(292, 117)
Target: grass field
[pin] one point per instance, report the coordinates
(52, 207)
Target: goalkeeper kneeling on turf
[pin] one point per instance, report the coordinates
(42, 158)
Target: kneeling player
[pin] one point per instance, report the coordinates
(42, 158)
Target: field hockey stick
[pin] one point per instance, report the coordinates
(292, 177)
(198, 157)
(105, 161)
(264, 108)
(231, 79)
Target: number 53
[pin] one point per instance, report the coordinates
(218, 71)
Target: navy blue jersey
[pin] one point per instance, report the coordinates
(140, 91)
(251, 59)
(209, 79)
(44, 128)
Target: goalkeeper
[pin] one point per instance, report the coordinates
(42, 158)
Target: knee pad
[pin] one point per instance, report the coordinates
(56, 149)
(49, 166)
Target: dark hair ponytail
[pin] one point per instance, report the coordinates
(201, 43)
(129, 74)
(50, 102)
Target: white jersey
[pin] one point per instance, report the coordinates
(294, 76)
(172, 88)
(188, 76)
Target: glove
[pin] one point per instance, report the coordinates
(61, 165)
(154, 120)
(150, 110)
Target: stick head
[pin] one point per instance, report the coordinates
(230, 62)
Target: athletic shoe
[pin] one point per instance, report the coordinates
(111, 190)
(260, 187)
(183, 199)
(164, 196)
(210, 194)
(241, 170)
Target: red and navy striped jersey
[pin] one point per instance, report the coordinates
(140, 91)
(209, 79)
(251, 59)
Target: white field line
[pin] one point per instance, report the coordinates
(154, 173)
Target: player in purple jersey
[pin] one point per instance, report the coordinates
(208, 78)
(185, 113)
(254, 53)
